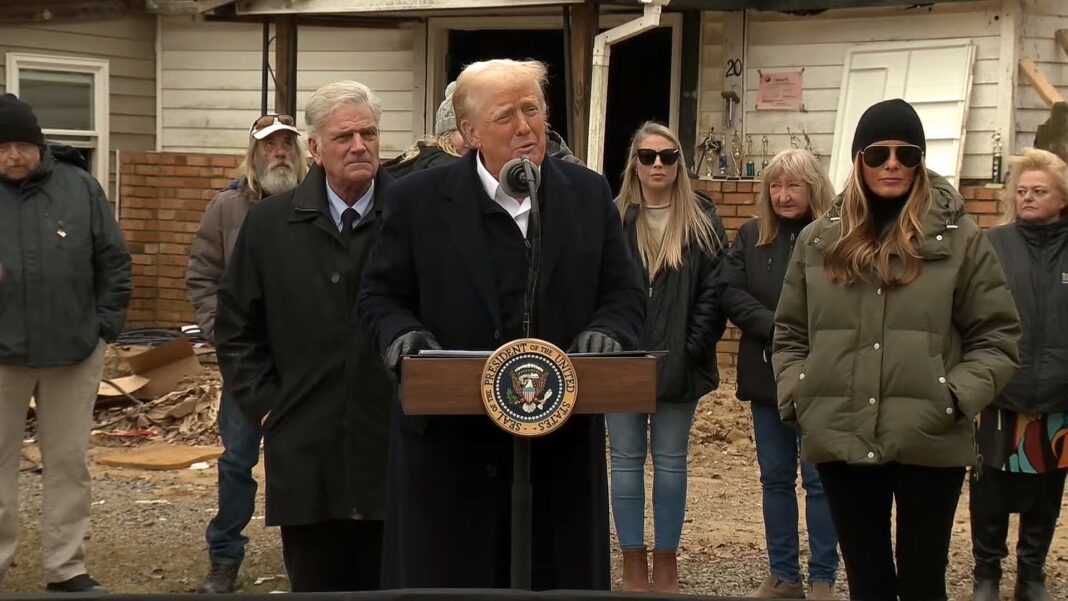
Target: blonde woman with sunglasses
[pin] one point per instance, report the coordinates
(894, 330)
(676, 238)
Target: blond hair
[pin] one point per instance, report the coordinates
(328, 98)
(1033, 159)
(862, 252)
(795, 163)
(464, 98)
(247, 169)
(443, 141)
(688, 223)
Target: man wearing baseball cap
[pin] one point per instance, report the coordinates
(64, 288)
(274, 163)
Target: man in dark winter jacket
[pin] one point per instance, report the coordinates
(274, 163)
(64, 288)
(296, 358)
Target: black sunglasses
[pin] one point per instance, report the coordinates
(877, 155)
(668, 156)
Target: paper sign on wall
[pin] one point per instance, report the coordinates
(779, 91)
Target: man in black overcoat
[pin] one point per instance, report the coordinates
(450, 270)
(297, 358)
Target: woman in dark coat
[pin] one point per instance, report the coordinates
(1023, 435)
(794, 191)
(677, 239)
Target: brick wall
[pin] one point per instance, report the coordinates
(162, 197)
(736, 204)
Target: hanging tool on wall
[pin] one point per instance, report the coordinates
(730, 98)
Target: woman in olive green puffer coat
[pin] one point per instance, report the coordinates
(894, 330)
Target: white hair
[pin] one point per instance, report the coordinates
(328, 98)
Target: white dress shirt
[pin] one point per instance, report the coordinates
(363, 206)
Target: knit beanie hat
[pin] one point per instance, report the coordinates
(18, 123)
(889, 120)
(445, 120)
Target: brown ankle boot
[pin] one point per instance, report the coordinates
(665, 571)
(635, 570)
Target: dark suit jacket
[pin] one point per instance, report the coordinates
(432, 269)
(290, 344)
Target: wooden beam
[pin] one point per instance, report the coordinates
(1039, 82)
(261, 7)
(1008, 56)
(583, 29)
(285, 57)
(1061, 35)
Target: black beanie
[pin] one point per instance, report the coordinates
(889, 120)
(18, 123)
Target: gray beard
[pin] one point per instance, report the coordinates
(278, 180)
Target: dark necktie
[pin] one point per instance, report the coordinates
(348, 217)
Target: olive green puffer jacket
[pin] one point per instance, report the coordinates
(874, 375)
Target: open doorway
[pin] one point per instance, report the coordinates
(639, 90)
(545, 45)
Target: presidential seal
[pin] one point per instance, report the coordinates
(529, 387)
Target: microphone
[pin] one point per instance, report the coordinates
(514, 179)
(520, 178)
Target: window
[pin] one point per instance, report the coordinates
(70, 97)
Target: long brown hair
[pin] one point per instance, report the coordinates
(688, 224)
(796, 163)
(861, 252)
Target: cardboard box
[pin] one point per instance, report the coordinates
(156, 370)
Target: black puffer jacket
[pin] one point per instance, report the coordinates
(753, 277)
(64, 268)
(1035, 259)
(426, 157)
(683, 316)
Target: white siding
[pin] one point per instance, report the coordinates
(211, 79)
(1040, 19)
(129, 46)
(818, 43)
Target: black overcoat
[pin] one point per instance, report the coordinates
(447, 523)
(290, 344)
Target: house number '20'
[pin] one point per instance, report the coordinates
(734, 67)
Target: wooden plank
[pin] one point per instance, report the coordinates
(269, 7)
(1008, 55)
(250, 100)
(330, 39)
(243, 60)
(1039, 82)
(285, 41)
(241, 119)
(1061, 35)
(901, 27)
(584, 19)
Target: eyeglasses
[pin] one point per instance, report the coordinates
(269, 120)
(878, 155)
(668, 156)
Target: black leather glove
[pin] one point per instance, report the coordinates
(592, 341)
(409, 343)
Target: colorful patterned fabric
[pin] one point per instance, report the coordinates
(1021, 443)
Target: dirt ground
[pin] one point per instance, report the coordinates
(148, 527)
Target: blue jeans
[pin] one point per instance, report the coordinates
(237, 487)
(628, 436)
(777, 453)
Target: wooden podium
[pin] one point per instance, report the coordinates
(625, 383)
(449, 386)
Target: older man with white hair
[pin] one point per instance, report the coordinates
(296, 359)
(450, 269)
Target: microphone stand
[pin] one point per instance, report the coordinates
(522, 491)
